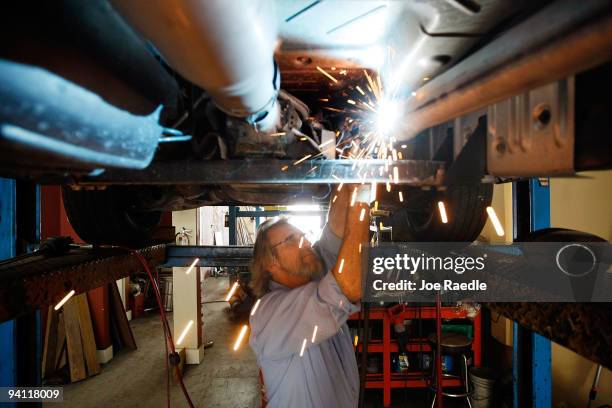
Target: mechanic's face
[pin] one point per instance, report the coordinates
(294, 265)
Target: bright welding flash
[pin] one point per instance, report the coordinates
(64, 300)
(193, 264)
(255, 306)
(388, 116)
(499, 230)
(231, 292)
(240, 337)
(442, 210)
(184, 332)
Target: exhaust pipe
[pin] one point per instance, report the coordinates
(225, 47)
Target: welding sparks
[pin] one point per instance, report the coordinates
(303, 347)
(360, 90)
(301, 242)
(314, 333)
(284, 168)
(193, 264)
(302, 159)
(354, 197)
(388, 187)
(334, 199)
(442, 210)
(395, 175)
(184, 332)
(356, 340)
(321, 70)
(352, 102)
(64, 300)
(340, 186)
(326, 143)
(359, 248)
(401, 197)
(231, 292)
(341, 265)
(499, 230)
(375, 205)
(373, 192)
(278, 134)
(240, 337)
(362, 214)
(255, 306)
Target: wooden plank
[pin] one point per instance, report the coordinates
(50, 346)
(118, 314)
(87, 336)
(60, 361)
(78, 371)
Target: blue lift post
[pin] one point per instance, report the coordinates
(8, 332)
(531, 354)
(21, 338)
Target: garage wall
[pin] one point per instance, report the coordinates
(583, 204)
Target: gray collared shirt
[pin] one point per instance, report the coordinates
(326, 374)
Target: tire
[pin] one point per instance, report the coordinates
(466, 209)
(108, 216)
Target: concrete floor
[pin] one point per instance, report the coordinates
(225, 379)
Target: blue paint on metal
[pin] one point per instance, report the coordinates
(539, 196)
(541, 369)
(516, 358)
(540, 356)
(8, 359)
(232, 224)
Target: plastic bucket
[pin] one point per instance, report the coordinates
(483, 384)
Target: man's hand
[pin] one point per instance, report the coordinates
(347, 270)
(340, 203)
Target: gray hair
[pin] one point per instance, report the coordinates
(263, 254)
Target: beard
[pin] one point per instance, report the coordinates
(310, 269)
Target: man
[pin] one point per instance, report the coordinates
(299, 330)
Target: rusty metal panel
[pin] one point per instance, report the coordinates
(585, 328)
(36, 281)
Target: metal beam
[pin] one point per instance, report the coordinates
(270, 171)
(563, 38)
(184, 255)
(35, 281)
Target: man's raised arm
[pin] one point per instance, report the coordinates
(353, 203)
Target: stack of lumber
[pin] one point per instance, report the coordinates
(69, 336)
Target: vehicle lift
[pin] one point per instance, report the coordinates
(30, 280)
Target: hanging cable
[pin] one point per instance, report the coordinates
(172, 357)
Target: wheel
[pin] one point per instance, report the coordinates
(109, 216)
(419, 220)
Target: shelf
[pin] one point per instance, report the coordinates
(388, 380)
(409, 380)
(376, 346)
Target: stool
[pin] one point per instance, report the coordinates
(459, 346)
